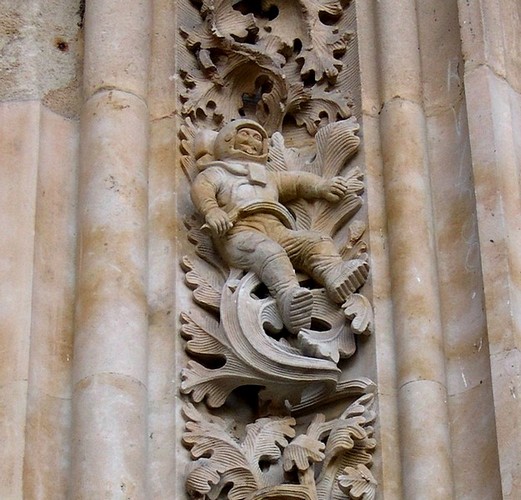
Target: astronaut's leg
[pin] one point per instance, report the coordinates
(256, 252)
(317, 256)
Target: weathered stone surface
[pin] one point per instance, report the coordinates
(42, 49)
(435, 86)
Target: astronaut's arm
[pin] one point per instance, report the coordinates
(204, 197)
(204, 193)
(294, 185)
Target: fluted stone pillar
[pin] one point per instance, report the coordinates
(109, 453)
(492, 53)
(39, 71)
(421, 379)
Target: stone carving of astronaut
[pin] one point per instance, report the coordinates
(242, 203)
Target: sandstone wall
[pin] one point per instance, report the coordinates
(91, 192)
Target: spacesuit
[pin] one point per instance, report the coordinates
(242, 203)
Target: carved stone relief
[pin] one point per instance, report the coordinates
(267, 144)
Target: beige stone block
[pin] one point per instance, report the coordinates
(475, 41)
(19, 150)
(41, 44)
(510, 11)
(164, 84)
(506, 381)
(377, 239)
(114, 151)
(427, 468)
(474, 446)
(387, 463)
(163, 379)
(490, 36)
(117, 46)
(47, 456)
(54, 256)
(496, 152)
(411, 244)
(457, 246)
(367, 35)
(109, 438)
(112, 312)
(13, 403)
(112, 319)
(39, 157)
(498, 193)
(399, 59)
(440, 53)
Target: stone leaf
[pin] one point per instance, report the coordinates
(358, 483)
(303, 211)
(204, 246)
(205, 293)
(241, 74)
(281, 158)
(214, 385)
(322, 105)
(186, 135)
(223, 22)
(277, 154)
(321, 43)
(349, 444)
(305, 449)
(265, 438)
(336, 144)
(359, 310)
(203, 335)
(329, 218)
(219, 459)
(355, 245)
(232, 68)
(207, 341)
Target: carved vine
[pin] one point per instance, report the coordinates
(278, 63)
(267, 59)
(326, 460)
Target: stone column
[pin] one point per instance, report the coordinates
(19, 135)
(38, 165)
(492, 53)
(110, 350)
(164, 420)
(422, 392)
(387, 458)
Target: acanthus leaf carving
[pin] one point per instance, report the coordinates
(243, 54)
(268, 147)
(359, 483)
(222, 458)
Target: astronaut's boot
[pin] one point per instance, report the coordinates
(345, 278)
(294, 302)
(296, 305)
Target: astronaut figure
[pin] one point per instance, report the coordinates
(242, 203)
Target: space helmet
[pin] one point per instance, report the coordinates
(224, 147)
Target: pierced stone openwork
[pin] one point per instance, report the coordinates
(278, 261)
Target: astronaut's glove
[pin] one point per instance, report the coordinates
(218, 221)
(334, 189)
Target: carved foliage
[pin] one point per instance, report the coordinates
(329, 460)
(221, 459)
(283, 366)
(278, 62)
(250, 63)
